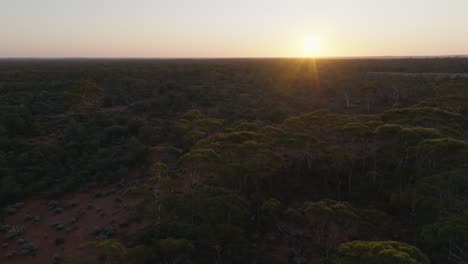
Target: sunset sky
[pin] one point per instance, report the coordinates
(240, 28)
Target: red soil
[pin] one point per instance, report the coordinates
(45, 236)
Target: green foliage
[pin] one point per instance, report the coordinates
(214, 217)
(193, 115)
(391, 252)
(112, 250)
(75, 261)
(329, 210)
(10, 189)
(168, 250)
(442, 154)
(193, 126)
(59, 241)
(14, 231)
(325, 218)
(115, 131)
(356, 129)
(19, 120)
(430, 117)
(442, 146)
(447, 239)
(407, 134)
(271, 207)
(209, 124)
(200, 155)
(441, 195)
(229, 139)
(175, 250)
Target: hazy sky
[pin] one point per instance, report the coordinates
(231, 28)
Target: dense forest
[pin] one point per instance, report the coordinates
(234, 161)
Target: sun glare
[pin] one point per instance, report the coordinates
(312, 47)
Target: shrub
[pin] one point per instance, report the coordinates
(59, 241)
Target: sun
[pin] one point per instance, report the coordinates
(312, 46)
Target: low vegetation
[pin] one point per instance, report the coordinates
(249, 161)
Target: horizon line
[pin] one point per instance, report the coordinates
(233, 57)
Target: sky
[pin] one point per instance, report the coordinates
(232, 28)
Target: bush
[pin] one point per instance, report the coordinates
(377, 252)
(59, 241)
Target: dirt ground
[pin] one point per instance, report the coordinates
(85, 217)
